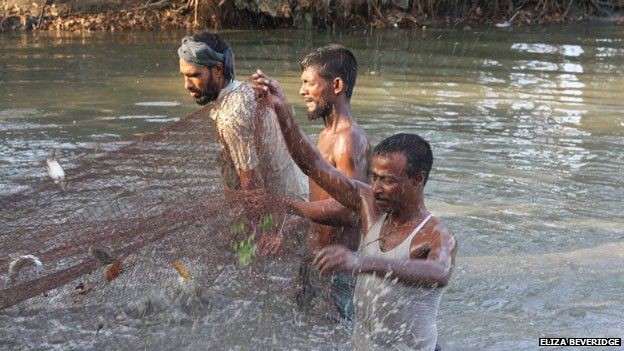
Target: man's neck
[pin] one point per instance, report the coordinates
(408, 213)
(340, 115)
(223, 85)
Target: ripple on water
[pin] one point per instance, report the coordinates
(12, 189)
(527, 170)
(20, 125)
(19, 112)
(158, 103)
(147, 118)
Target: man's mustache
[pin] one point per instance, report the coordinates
(378, 197)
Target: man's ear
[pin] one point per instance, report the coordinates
(419, 179)
(217, 70)
(338, 85)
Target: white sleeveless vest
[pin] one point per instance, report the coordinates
(390, 315)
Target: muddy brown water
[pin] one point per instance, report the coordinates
(527, 130)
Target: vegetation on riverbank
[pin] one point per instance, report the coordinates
(116, 15)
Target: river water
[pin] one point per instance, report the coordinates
(527, 130)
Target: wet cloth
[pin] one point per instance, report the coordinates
(334, 294)
(390, 315)
(342, 287)
(199, 53)
(250, 138)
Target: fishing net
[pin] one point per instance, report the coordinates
(182, 271)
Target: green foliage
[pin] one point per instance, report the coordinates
(266, 223)
(245, 245)
(237, 229)
(245, 250)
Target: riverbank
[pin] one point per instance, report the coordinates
(121, 15)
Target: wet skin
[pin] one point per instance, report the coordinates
(344, 145)
(392, 191)
(203, 83)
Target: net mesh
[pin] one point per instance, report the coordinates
(152, 202)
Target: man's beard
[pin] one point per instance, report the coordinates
(206, 95)
(322, 111)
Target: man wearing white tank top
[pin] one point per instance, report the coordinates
(407, 255)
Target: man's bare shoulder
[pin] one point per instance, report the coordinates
(435, 240)
(352, 138)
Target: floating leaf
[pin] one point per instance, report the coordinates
(181, 270)
(113, 271)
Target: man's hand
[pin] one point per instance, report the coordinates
(336, 258)
(265, 86)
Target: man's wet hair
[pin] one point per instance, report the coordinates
(417, 152)
(333, 61)
(217, 44)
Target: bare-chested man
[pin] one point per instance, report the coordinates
(407, 255)
(328, 79)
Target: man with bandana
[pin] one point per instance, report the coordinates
(253, 152)
(328, 79)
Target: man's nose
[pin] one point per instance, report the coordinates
(376, 187)
(302, 91)
(187, 83)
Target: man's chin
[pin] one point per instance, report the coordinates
(316, 114)
(312, 116)
(203, 100)
(383, 205)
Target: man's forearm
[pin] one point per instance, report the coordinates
(250, 180)
(311, 162)
(299, 145)
(418, 272)
(326, 212)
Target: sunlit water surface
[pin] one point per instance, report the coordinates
(526, 126)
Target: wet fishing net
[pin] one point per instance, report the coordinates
(144, 250)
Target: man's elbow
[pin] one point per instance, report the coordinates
(443, 277)
(442, 282)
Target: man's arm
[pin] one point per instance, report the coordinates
(250, 180)
(237, 130)
(327, 212)
(303, 152)
(433, 271)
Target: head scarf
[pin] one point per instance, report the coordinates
(200, 53)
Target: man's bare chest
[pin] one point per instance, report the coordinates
(390, 239)
(326, 144)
